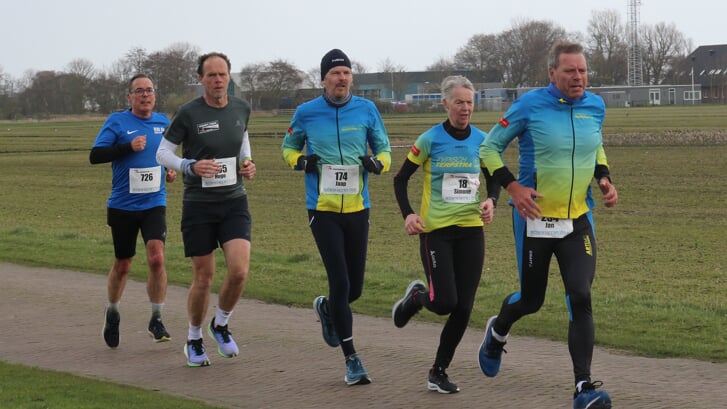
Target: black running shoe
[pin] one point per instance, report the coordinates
(406, 308)
(157, 331)
(111, 328)
(439, 381)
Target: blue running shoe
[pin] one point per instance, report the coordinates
(329, 332)
(195, 352)
(226, 346)
(491, 351)
(589, 398)
(355, 372)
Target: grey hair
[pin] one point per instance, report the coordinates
(562, 47)
(453, 81)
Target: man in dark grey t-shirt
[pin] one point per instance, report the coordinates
(212, 130)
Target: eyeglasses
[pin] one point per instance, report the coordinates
(141, 91)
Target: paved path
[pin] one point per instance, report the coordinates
(285, 364)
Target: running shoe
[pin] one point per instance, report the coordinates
(157, 331)
(439, 381)
(406, 308)
(355, 372)
(589, 398)
(491, 350)
(226, 346)
(329, 332)
(111, 328)
(195, 352)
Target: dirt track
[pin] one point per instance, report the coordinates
(285, 364)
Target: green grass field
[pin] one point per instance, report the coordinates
(659, 289)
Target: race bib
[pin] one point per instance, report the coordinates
(339, 179)
(549, 228)
(145, 180)
(460, 187)
(227, 175)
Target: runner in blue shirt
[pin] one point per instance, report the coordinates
(129, 140)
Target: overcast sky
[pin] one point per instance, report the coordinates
(48, 34)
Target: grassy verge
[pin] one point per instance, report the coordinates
(20, 390)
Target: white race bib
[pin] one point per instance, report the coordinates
(460, 187)
(145, 180)
(227, 175)
(339, 179)
(549, 228)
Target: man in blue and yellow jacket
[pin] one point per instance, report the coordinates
(561, 150)
(337, 130)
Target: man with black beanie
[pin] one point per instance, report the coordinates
(337, 130)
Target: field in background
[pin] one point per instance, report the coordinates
(660, 285)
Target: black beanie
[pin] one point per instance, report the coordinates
(333, 58)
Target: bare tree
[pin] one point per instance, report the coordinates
(442, 64)
(281, 79)
(4, 82)
(524, 52)
(662, 44)
(397, 74)
(251, 81)
(312, 78)
(82, 67)
(133, 62)
(107, 92)
(606, 49)
(481, 55)
(358, 67)
(173, 72)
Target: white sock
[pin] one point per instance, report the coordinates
(195, 332)
(112, 306)
(498, 336)
(221, 317)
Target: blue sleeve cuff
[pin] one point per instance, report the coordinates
(187, 166)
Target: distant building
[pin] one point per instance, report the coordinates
(709, 72)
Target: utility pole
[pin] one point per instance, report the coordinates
(634, 47)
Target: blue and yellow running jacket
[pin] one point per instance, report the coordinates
(338, 135)
(561, 149)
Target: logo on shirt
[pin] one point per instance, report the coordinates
(503, 122)
(131, 132)
(415, 150)
(208, 127)
(158, 130)
(290, 131)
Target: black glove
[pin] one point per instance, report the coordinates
(308, 163)
(372, 164)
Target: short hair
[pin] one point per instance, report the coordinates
(136, 77)
(562, 47)
(204, 57)
(453, 81)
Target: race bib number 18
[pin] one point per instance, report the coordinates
(460, 187)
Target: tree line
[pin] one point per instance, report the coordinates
(515, 57)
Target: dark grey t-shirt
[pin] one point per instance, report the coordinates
(207, 132)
